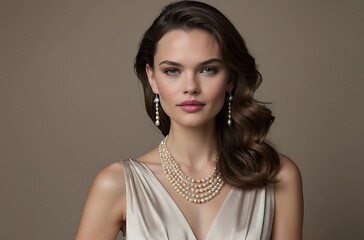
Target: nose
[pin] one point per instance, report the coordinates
(191, 85)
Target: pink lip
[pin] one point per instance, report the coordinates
(191, 106)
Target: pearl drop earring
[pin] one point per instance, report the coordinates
(156, 101)
(229, 99)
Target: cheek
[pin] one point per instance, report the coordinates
(218, 91)
(220, 99)
(164, 87)
(166, 91)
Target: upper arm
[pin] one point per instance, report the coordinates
(104, 208)
(288, 217)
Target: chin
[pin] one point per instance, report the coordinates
(197, 123)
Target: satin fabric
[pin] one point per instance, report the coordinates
(152, 214)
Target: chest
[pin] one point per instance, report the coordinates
(200, 217)
(154, 210)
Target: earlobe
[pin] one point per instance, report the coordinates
(151, 79)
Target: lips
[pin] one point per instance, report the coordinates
(191, 106)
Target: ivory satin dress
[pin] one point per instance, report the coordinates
(152, 214)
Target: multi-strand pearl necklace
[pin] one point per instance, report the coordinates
(193, 190)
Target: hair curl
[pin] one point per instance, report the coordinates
(247, 159)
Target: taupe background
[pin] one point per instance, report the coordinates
(70, 103)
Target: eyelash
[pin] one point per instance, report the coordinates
(171, 71)
(207, 70)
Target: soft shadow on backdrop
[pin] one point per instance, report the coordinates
(70, 104)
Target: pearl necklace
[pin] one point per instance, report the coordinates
(193, 190)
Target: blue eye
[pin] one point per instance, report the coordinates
(209, 70)
(171, 71)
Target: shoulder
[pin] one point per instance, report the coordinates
(288, 216)
(104, 209)
(110, 179)
(289, 172)
(110, 176)
(289, 181)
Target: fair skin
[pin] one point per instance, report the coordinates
(188, 66)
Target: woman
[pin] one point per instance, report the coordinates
(214, 175)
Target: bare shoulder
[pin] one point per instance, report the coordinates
(288, 172)
(104, 209)
(288, 216)
(109, 181)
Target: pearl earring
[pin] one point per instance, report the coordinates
(156, 101)
(229, 99)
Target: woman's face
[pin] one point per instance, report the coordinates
(189, 76)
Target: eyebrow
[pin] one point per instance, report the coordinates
(212, 60)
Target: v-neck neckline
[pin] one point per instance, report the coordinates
(178, 209)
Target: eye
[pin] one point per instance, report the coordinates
(172, 71)
(209, 70)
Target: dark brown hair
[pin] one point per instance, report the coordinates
(246, 158)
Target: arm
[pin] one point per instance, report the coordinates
(104, 208)
(288, 217)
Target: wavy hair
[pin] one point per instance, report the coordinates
(247, 159)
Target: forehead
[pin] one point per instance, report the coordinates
(187, 45)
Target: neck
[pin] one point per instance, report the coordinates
(193, 146)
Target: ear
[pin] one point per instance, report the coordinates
(151, 79)
(230, 86)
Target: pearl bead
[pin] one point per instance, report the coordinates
(193, 190)
(229, 122)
